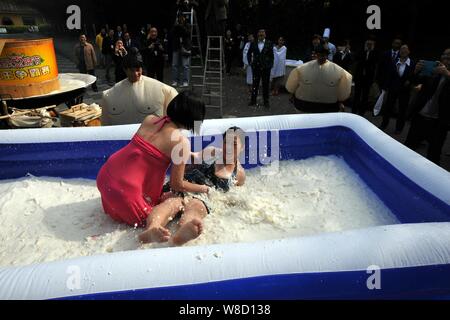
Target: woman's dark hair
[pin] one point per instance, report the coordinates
(185, 109)
(236, 131)
(133, 60)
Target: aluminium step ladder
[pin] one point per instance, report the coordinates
(196, 60)
(212, 93)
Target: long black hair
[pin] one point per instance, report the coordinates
(185, 109)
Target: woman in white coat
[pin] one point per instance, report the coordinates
(279, 66)
(247, 67)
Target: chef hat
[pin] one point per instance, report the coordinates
(327, 33)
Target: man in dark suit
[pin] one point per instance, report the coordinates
(397, 83)
(366, 67)
(431, 112)
(344, 56)
(108, 51)
(129, 43)
(387, 59)
(260, 57)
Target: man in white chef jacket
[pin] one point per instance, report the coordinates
(331, 47)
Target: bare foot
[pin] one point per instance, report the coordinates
(188, 232)
(156, 234)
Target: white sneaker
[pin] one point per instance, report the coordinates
(174, 84)
(185, 85)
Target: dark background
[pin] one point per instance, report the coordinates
(422, 24)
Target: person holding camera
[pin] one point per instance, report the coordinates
(119, 54)
(181, 52)
(154, 56)
(431, 112)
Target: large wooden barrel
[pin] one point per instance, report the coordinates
(27, 68)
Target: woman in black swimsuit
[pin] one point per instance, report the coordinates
(219, 169)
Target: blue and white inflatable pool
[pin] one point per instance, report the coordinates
(406, 261)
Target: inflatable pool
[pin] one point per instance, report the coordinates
(410, 260)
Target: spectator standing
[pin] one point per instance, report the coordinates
(387, 60)
(85, 58)
(143, 35)
(129, 43)
(181, 55)
(99, 42)
(119, 54)
(366, 67)
(331, 47)
(239, 42)
(247, 66)
(165, 41)
(398, 87)
(431, 112)
(154, 56)
(344, 56)
(108, 52)
(279, 66)
(119, 34)
(229, 51)
(260, 57)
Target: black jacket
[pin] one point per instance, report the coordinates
(181, 37)
(345, 62)
(261, 60)
(366, 68)
(392, 80)
(429, 87)
(131, 44)
(108, 46)
(155, 54)
(384, 67)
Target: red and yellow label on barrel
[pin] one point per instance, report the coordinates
(28, 67)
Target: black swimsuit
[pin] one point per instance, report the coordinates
(205, 174)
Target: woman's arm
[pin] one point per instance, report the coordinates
(181, 152)
(201, 156)
(240, 177)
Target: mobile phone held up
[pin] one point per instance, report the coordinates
(428, 68)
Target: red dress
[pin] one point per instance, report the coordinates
(131, 181)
